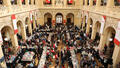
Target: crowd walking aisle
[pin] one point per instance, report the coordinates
(74, 59)
(73, 55)
(43, 58)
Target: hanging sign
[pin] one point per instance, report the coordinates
(14, 23)
(64, 21)
(87, 17)
(31, 18)
(117, 36)
(70, 1)
(48, 1)
(1, 39)
(102, 24)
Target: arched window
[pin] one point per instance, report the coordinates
(88, 2)
(117, 2)
(94, 2)
(23, 2)
(14, 2)
(103, 2)
(29, 1)
(1, 1)
(83, 2)
(34, 2)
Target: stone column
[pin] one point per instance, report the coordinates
(29, 26)
(93, 32)
(78, 3)
(90, 2)
(98, 4)
(2, 58)
(88, 26)
(64, 19)
(19, 2)
(32, 2)
(23, 32)
(81, 2)
(7, 3)
(76, 20)
(53, 3)
(110, 3)
(84, 21)
(116, 56)
(86, 1)
(34, 23)
(27, 2)
(102, 41)
(53, 20)
(65, 3)
(14, 41)
(80, 23)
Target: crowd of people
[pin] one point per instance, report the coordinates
(71, 37)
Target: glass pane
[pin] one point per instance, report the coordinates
(1, 1)
(13, 2)
(23, 2)
(103, 2)
(94, 2)
(117, 2)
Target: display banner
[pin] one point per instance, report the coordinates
(70, 1)
(117, 36)
(1, 39)
(14, 23)
(48, 1)
(102, 24)
(31, 18)
(86, 17)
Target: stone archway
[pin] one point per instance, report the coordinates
(84, 23)
(10, 43)
(70, 18)
(109, 36)
(59, 18)
(48, 19)
(96, 31)
(28, 27)
(21, 30)
(89, 27)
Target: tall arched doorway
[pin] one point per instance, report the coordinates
(59, 18)
(89, 27)
(70, 19)
(32, 23)
(109, 40)
(48, 19)
(84, 24)
(28, 27)
(8, 46)
(96, 31)
(21, 32)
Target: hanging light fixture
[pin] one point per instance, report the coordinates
(26, 25)
(110, 39)
(6, 39)
(90, 25)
